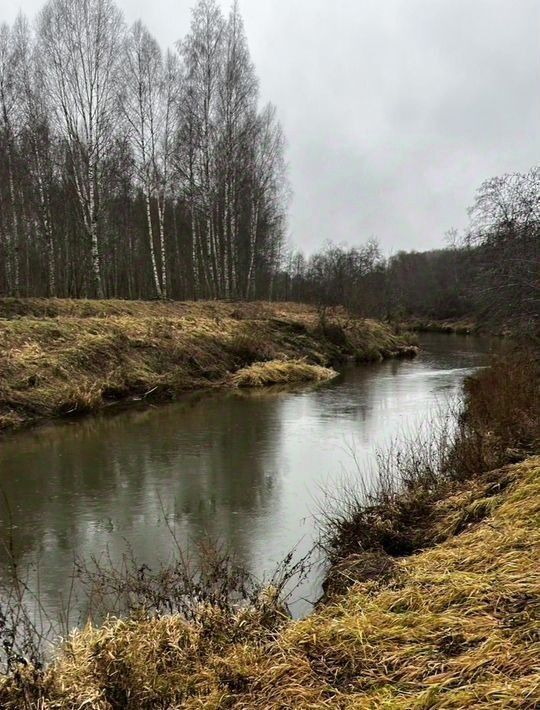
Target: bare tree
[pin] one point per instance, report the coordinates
(9, 68)
(80, 43)
(505, 226)
(139, 103)
(38, 155)
(202, 53)
(238, 95)
(267, 190)
(167, 129)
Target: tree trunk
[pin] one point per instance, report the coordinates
(94, 238)
(14, 241)
(252, 242)
(151, 244)
(195, 255)
(162, 246)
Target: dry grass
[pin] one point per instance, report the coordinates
(502, 409)
(457, 626)
(441, 608)
(62, 358)
(498, 424)
(280, 372)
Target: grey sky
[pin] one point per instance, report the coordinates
(394, 110)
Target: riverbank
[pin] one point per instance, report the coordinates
(460, 326)
(63, 358)
(454, 626)
(433, 600)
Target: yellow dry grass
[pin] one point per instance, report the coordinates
(280, 372)
(457, 626)
(63, 357)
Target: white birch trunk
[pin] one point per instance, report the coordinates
(94, 237)
(225, 243)
(151, 244)
(162, 246)
(195, 255)
(233, 246)
(252, 243)
(47, 228)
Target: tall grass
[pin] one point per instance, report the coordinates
(280, 372)
(496, 423)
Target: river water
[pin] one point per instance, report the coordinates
(247, 470)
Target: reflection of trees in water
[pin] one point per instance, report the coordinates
(360, 391)
(204, 463)
(208, 463)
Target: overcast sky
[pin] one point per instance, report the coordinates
(394, 110)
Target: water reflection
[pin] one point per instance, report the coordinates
(240, 468)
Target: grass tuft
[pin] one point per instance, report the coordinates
(279, 372)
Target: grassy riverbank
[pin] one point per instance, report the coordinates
(455, 626)
(461, 326)
(433, 600)
(63, 358)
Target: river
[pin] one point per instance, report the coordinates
(245, 469)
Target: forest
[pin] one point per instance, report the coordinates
(490, 272)
(134, 172)
(138, 173)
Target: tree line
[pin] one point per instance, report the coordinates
(131, 171)
(491, 271)
(134, 172)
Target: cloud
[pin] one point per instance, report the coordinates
(394, 111)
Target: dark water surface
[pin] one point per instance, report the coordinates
(244, 469)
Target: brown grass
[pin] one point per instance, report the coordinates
(499, 424)
(279, 372)
(63, 358)
(457, 626)
(461, 326)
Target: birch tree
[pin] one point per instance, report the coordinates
(139, 103)
(268, 193)
(167, 128)
(237, 119)
(80, 43)
(9, 68)
(202, 53)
